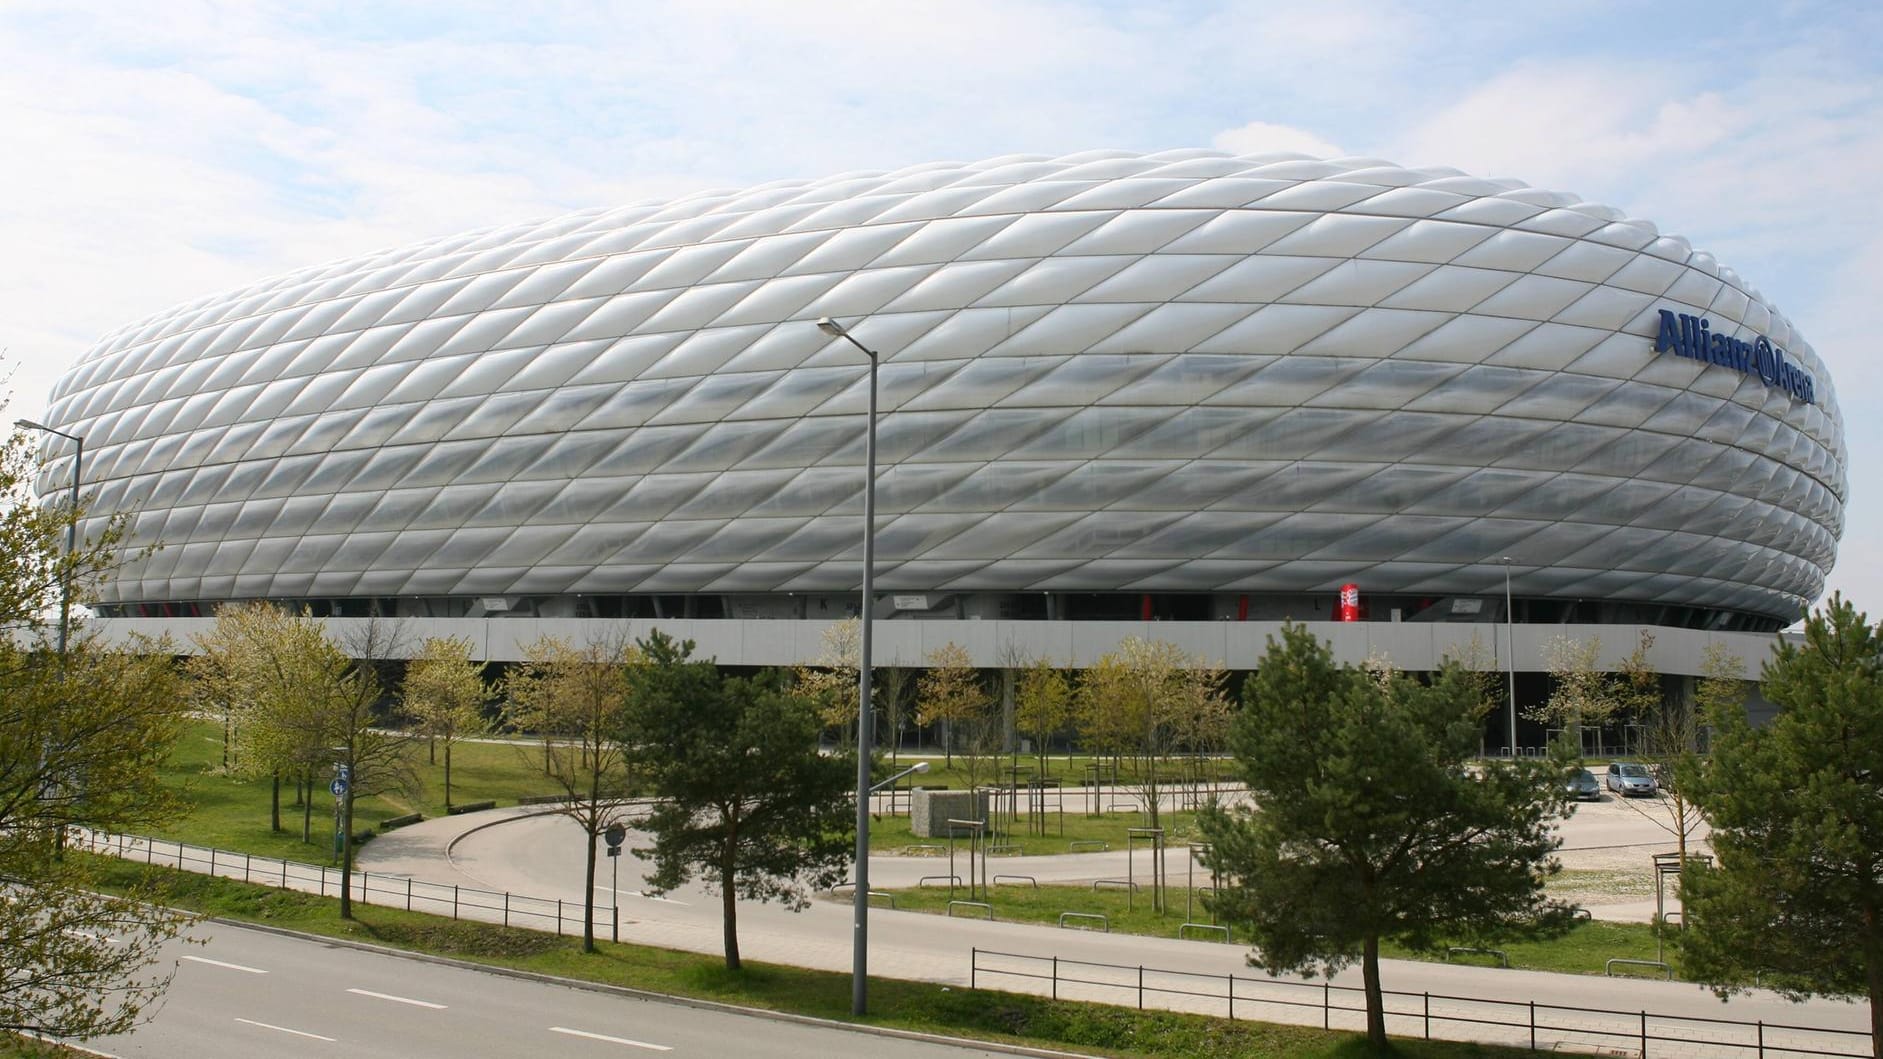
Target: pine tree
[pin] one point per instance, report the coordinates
(1371, 823)
(1796, 899)
(745, 800)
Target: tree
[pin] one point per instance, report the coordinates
(578, 698)
(1371, 825)
(254, 662)
(1578, 690)
(82, 737)
(890, 694)
(1042, 704)
(1671, 732)
(833, 678)
(222, 689)
(445, 692)
(347, 693)
(1797, 813)
(745, 799)
(1635, 688)
(1202, 715)
(312, 705)
(1582, 694)
(951, 693)
(1139, 702)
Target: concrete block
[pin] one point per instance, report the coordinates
(930, 811)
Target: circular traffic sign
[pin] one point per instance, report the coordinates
(338, 787)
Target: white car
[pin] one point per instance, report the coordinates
(1631, 780)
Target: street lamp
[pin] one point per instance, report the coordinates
(866, 735)
(920, 766)
(1510, 660)
(71, 528)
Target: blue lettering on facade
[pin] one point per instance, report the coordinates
(1693, 337)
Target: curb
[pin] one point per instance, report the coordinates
(659, 998)
(510, 818)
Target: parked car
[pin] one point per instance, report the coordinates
(1634, 781)
(1584, 787)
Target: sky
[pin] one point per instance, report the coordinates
(151, 154)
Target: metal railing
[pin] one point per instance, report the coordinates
(1408, 1014)
(387, 891)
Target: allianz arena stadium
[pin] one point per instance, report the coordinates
(1117, 389)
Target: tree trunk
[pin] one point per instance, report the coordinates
(447, 777)
(1873, 974)
(588, 875)
(1152, 795)
(431, 748)
(728, 902)
(1375, 1003)
(274, 803)
(1007, 740)
(307, 820)
(346, 854)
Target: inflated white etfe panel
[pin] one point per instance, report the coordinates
(1103, 372)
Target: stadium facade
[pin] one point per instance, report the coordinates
(1183, 393)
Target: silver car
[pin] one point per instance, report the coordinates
(1582, 786)
(1631, 780)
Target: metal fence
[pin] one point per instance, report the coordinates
(1540, 1026)
(389, 891)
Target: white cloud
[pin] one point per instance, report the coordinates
(1261, 137)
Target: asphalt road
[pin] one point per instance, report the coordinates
(251, 993)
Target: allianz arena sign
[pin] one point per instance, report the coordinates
(1692, 336)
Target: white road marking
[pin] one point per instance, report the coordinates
(219, 963)
(610, 1040)
(645, 896)
(284, 1029)
(399, 999)
(92, 934)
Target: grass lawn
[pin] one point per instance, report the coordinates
(1583, 950)
(231, 812)
(909, 1005)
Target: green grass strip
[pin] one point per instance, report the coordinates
(1584, 950)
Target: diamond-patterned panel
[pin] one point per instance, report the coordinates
(1182, 371)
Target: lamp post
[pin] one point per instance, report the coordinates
(920, 766)
(1510, 655)
(65, 575)
(71, 527)
(866, 734)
